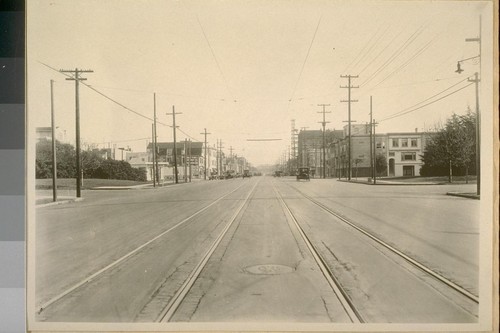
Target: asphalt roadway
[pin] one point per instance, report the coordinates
(120, 256)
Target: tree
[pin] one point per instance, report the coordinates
(93, 164)
(356, 162)
(91, 161)
(65, 159)
(381, 164)
(452, 149)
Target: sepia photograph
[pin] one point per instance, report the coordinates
(264, 165)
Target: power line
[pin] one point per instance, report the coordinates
(304, 63)
(420, 107)
(365, 54)
(118, 103)
(105, 96)
(405, 45)
(431, 97)
(381, 51)
(215, 58)
(419, 52)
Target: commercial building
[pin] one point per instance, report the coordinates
(402, 152)
(310, 150)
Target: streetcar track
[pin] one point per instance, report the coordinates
(129, 254)
(174, 303)
(339, 291)
(394, 250)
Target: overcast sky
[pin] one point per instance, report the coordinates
(245, 69)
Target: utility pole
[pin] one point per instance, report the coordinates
(76, 77)
(220, 157)
(205, 165)
(155, 143)
(294, 144)
(372, 153)
(349, 100)
(54, 160)
(185, 161)
(304, 148)
(374, 124)
(231, 157)
(175, 142)
(153, 153)
(324, 144)
(189, 158)
(478, 114)
(478, 135)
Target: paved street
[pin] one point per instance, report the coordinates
(245, 250)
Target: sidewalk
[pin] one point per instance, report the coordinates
(464, 195)
(43, 198)
(46, 200)
(144, 186)
(388, 182)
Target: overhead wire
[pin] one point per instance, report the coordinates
(415, 108)
(419, 52)
(365, 54)
(396, 53)
(215, 58)
(304, 63)
(381, 51)
(115, 101)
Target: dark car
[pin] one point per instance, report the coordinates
(246, 173)
(303, 173)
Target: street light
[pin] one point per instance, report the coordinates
(478, 114)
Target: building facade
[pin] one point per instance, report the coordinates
(310, 150)
(402, 152)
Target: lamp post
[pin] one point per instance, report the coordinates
(476, 80)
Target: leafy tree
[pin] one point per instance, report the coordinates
(381, 164)
(452, 149)
(65, 159)
(92, 163)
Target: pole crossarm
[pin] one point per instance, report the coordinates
(76, 72)
(175, 141)
(349, 101)
(205, 159)
(324, 112)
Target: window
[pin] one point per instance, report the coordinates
(404, 142)
(408, 156)
(395, 142)
(414, 142)
(379, 144)
(391, 153)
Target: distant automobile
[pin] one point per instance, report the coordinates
(246, 173)
(303, 173)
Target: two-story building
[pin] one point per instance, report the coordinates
(404, 153)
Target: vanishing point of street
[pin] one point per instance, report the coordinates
(260, 249)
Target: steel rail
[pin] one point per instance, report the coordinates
(393, 249)
(181, 293)
(124, 257)
(339, 291)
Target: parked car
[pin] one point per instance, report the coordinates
(303, 173)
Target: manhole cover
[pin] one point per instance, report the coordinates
(268, 269)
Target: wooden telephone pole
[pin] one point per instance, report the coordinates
(76, 77)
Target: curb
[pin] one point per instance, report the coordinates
(59, 202)
(464, 195)
(381, 182)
